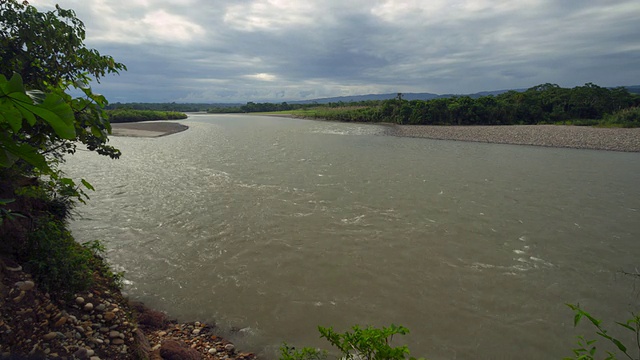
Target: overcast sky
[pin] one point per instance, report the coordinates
(282, 50)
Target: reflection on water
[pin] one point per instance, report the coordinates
(279, 225)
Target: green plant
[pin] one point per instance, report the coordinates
(367, 343)
(8, 214)
(587, 349)
(98, 249)
(291, 353)
(58, 263)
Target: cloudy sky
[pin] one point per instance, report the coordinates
(282, 50)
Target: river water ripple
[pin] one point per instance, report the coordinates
(277, 225)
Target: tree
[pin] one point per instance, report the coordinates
(43, 56)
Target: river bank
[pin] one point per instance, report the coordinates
(563, 136)
(98, 323)
(147, 128)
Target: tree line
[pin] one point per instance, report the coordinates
(129, 115)
(589, 104)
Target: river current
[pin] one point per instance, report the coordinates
(275, 225)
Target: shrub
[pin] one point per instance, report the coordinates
(361, 344)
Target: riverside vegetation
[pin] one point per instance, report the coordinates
(123, 115)
(40, 123)
(589, 105)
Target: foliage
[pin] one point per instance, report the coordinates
(291, 353)
(61, 265)
(587, 349)
(55, 259)
(173, 106)
(367, 343)
(129, 115)
(542, 104)
(625, 118)
(43, 56)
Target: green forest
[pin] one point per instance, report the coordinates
(129, 115)
(589, 105)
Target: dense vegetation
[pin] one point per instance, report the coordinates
(173, 106)
(543, 104)
(43, 56)
(130, 115)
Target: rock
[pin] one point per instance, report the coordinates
(174, 350)
(101, 307)
(212, 351)
(50, 336)
(81, 353)
(114, 334)
(117, 341)
(109, 316)
(19, 298)
(79, 300)
(152, 318)
(229, 348)
(94, 358)
(88, 307)
(60, 322)
(142, 348)
(196, 331)
(25, 285)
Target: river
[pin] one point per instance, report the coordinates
(276, 225)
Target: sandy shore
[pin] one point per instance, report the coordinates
(579, 137)
(147, 129)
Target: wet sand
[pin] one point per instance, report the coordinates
(147, 128)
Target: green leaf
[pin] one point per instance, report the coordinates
(57, 113)
(11, 115)
(87, 185)
(11, 151)
(619, 345)
(15, 84)
(28, 115)
(626, 326)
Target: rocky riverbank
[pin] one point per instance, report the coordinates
(96, 324)
(579, 137)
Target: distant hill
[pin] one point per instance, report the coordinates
(406, 96)
(634, 89)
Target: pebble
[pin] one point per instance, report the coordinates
(117, 341)
(109, 316)
(50, 336)
(212, 351)
(25, 285)
(229, 347)
(114, 334)
(580, 137)
(101, 307)
(88, 307)
(60, 322)
(79, 300)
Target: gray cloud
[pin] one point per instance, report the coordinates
(261, 50)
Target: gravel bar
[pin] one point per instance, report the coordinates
(578, 137)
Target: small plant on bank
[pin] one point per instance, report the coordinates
(368, 343)
(587, 349)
